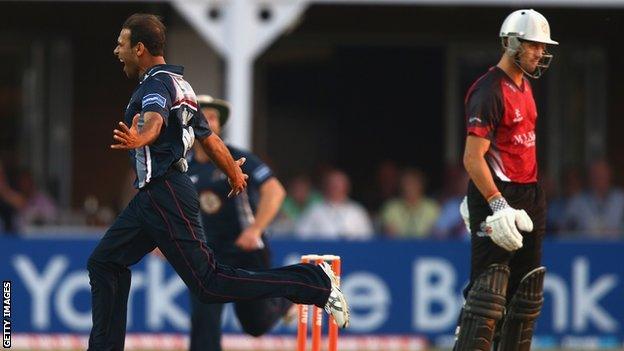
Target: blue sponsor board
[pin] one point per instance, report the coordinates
(395, 287)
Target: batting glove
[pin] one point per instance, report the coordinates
(465, 214)
(504, 224)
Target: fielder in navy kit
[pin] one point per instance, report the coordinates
(164, 120)
(506, 206)
(234, 228)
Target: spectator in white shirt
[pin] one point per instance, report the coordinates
(337, 216)
(598, 211)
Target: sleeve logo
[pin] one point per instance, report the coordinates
(261, 173)
(153, 98)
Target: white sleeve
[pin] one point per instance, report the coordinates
(307, 224)
(363, 223)
(367, 224)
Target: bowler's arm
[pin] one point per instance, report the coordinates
(133, 138)
(220, 155)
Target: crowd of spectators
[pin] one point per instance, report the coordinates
(398, 205)
(402, 209)
(590, 207)
(585, 205)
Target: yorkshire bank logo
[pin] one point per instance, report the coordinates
(526, 139)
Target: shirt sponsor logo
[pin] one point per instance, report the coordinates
(153, 98)
(526, 139)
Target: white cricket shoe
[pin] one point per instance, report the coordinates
(336, 303)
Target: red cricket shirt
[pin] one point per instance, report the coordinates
(504, 113)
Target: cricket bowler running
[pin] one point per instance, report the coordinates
(164, 119)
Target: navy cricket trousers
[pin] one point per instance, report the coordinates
(256, 317)
(165, 214)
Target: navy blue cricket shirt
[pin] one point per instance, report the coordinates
(163, 89)
(225, 218)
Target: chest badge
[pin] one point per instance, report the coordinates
(209, 202)
(517, 116)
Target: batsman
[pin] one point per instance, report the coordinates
(505, 207)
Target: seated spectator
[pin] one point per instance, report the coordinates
(557, 201)
(450, 223)
(301, 196)
(413, 214)
(384, 188)
(598, 211)
(336, 216)
(32, 206)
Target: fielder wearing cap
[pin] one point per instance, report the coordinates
(222, 107)
(234, 228)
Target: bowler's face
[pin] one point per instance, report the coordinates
(127, 54)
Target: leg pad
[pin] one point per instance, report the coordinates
(522, 312)
(484, 307)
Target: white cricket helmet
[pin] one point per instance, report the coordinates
(526, 25)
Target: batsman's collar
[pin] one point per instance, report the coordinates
(220, 105)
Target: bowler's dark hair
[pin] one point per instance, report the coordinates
(147, 29)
